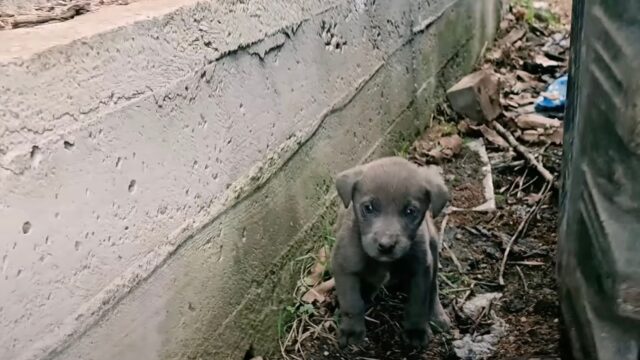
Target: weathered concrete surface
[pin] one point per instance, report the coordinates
(157, 178)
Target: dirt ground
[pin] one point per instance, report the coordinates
(522, 318)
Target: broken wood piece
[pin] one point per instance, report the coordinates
(492, 136)
(524, 152)
(476, 96)
(530, 136)
(535, 121)
(31, 20)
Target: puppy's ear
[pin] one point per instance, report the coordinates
(345, 183)
(438, 192)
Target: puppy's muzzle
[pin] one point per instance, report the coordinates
(387, 244)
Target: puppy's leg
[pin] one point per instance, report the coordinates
(352, 328)
(418, 308)
(438, 315)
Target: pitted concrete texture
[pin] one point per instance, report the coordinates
(161, 168)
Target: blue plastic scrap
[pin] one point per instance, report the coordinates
(555, 96)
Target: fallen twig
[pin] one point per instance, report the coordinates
(522, 229)
(524, 281)
(527, 263)
(453, 257)
(523, 151)
(448, 291)
(444, 278)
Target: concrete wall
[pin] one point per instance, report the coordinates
(162, 164)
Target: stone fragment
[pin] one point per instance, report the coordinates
(476, 96)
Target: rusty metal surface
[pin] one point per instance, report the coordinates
(599, 249)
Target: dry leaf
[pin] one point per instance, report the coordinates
(522, 99)
(318, 269)
(545, 62)
(494, 55)
(464, 127)
(512, 37)
(532, 198)
(318, 294)
(557, 136)
(453, 143)
(524, 76)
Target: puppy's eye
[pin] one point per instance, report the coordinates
(410, 211)
(367, 209)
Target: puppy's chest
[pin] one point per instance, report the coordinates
(375, 274)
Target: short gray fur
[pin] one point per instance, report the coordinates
(387, 233)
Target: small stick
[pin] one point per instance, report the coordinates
(444, 278)
(371, 319)
(522, 228)
(523, 151)
(528, 184)
(453, 257)
(448, 291)
(527, 263)
(466, 295)
(484, 311)
(524, 282)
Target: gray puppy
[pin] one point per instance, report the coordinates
(387, 233)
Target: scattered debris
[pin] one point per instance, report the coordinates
(475, 306)
(439, 144)
(475, 347)
(524, 152)
(522, 228)
(476, 96)
(541, 64)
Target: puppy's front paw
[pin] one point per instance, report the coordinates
(441, 319)
(417, 337)
(352, 331)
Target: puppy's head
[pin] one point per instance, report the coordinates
(390, 198)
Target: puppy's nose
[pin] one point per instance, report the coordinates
(386, 247)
